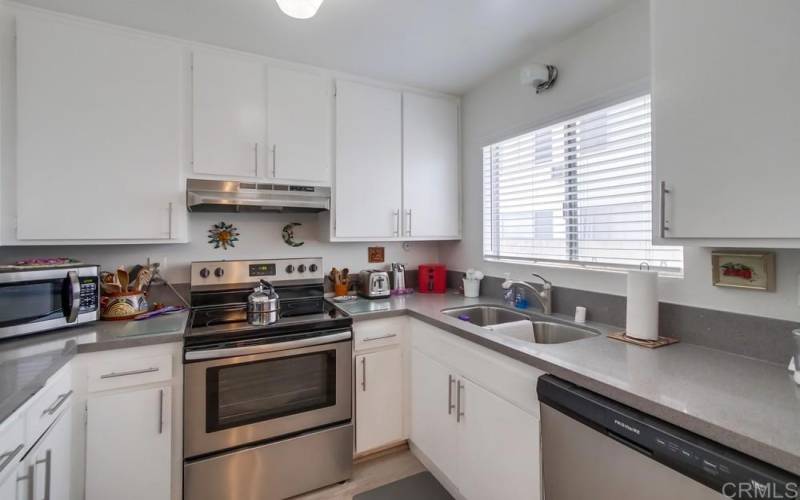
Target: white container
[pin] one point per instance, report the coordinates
(472, 288)
(642, 309)
(580, 314)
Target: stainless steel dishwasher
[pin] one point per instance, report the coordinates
(594, 448)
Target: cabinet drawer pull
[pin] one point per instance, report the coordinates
(274, 160)
(396, 214)
(7, 457)
(60, 400)
(459, 412)
(364, 374)
(160, 411)
(255, 154)
(370, 339)
(131, 372)
(48, 472)
(664, 222)
(450, 405)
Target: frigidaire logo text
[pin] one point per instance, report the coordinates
(627, 427)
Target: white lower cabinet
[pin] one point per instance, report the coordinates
(498, 447)
(48, 470)
(379, 399)
(463, 420)
(128, 445)
(52, 462)
(433, 419)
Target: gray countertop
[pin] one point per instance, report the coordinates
(27, 362)
(749, 405)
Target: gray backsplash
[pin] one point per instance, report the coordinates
(758, 337)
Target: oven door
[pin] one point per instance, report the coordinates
(241, 395)
(36, 300)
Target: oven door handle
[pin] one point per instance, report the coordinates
(228, 352)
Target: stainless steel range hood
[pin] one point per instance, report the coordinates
(235, 196)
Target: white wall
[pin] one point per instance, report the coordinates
(608, 60)
(260, 239)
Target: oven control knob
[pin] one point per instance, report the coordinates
(290, 269)
(204, 272)
(301, 268)
(313, 268)
(219, 272)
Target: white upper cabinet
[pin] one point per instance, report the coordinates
(431, 180)
(299, 125)
(368, 162)
(99, 134)
(229, 115)
(725, 120)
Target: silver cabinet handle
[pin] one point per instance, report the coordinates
(255, 155)
(75, 298)
(396, 214)
(60, 400)
(364, 374)
(450, 404)
(48, 466)
(459, 412)
(408, 227)
(8, 456)
(169, 227)
(370, 339)
(274, 160)
(663, 192)
(131, 372)
(29, 477)
(160, 411)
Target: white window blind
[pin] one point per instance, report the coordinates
(578, 192)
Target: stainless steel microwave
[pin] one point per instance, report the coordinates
(39, 299)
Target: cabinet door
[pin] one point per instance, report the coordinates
(299, 125)
(379, 399)
(53, 463)
(723, 130)
(230, 115)
(431, 179)
(368, 162)
(433, 417)
(492, 427)
(128, 445)
(99, 133)
(18, 484)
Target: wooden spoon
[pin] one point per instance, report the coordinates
(123, 278)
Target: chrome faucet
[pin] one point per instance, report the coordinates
(545, 297)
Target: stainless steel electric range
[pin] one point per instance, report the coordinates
(267, 409)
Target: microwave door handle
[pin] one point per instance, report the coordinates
(73, 297)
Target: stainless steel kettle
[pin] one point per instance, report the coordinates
(263, 307)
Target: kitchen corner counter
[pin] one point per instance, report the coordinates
(26, 363)
(749, 405)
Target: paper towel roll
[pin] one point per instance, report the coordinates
(642, 312)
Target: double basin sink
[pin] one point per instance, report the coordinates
(546, 330)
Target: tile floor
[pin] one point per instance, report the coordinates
(368, 475)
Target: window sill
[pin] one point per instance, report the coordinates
(576, 266)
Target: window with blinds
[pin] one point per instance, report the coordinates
(576, 192)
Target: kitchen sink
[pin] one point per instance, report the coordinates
(545, 330)
(549, 332)
(485, 315)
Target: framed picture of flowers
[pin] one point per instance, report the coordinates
(752, 270)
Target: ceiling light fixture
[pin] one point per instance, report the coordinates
(299, 9)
